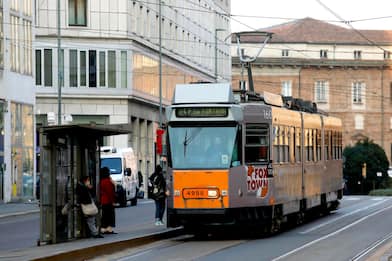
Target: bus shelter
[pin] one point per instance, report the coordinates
(68, 152)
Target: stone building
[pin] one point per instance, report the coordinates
(17, 100)
(346, 72)
(109, 66)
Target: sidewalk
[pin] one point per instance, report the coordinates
(16, 209)
(81, 249)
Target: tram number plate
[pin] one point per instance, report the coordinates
(195, 193)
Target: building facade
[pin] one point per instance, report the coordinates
(17, 98)
(109, 62)
(348, 73)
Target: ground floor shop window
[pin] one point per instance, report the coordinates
(22, 151)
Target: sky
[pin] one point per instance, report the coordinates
(376, 14)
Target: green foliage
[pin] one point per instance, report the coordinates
(381, 192)
(376, 161)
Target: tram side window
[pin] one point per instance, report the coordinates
(281, 145)
(291, 134)
(340, 145)
(285, 144)
(309, 144)
(336, 147)
(326, 145)
(276, 148)
(318, 144)
(257, 143)
(297, 142)
(333, 145)
(235, 158)
(314, 144)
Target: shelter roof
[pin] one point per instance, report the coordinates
(91, 129)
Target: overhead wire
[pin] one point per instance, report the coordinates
(211, 12)
(338, 90)
(349, 23)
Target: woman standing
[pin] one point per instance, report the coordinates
(107, 190)
(159, 193)
(84, 191)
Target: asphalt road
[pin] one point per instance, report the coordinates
(359, 227)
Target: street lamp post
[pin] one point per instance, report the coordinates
(160, 62)
(58, 64)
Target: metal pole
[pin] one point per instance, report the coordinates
(216, 55)
(160, 64)
(58, 63)
(216, 51)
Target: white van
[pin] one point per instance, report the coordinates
(122, 164)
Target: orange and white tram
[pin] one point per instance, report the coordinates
(247, 159)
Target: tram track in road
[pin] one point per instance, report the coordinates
(138, 252)
(356, 211)
(360, 255)
(185, 247)
(363, 254)
(315, 235)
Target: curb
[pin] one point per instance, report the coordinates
(110, 247)
(19, 213)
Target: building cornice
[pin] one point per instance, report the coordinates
(318, 63)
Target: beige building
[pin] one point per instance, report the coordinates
(108, 66)
(347, 73)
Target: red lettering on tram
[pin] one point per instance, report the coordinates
(257, 180)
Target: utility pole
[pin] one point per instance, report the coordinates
(58, 64)
(160, 63)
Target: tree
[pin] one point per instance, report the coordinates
(365, 151)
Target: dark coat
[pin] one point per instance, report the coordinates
(158, 180)
(84, 194)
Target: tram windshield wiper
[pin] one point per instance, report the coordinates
(188, 140)
(185, 142)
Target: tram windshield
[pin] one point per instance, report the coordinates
(203, 147)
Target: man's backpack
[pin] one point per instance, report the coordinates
(156, 190)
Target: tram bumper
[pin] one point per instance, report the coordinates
(199, 217)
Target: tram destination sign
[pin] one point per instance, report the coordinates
(201, 112)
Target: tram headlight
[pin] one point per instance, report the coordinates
(177, 193)
(212, 193)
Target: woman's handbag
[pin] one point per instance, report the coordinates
(140, 194)
(65, 209)
(89, 209)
